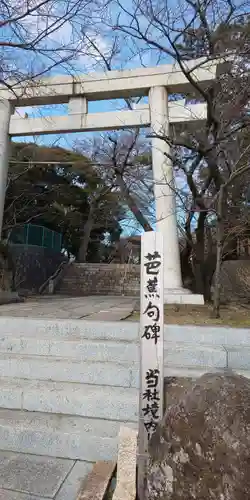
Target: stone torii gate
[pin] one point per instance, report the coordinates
(160, 114)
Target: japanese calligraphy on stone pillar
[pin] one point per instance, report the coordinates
(151, 339)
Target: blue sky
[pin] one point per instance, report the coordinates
(87, 25)
(86, 61)
(76, 34)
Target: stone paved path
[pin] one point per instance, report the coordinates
(96, 308)
(33, 477)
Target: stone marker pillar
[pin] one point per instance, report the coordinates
(126, 465)
(5, 113)
(164, 186)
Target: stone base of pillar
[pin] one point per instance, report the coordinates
(182, 296)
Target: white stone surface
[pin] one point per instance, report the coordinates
(207, 335)
(72, 484)
(125, 331)
(77, 105)
(114, 403)
(178, 297)
(189, 357)
(118, 314)
(69, 486)
(64, 370)
(84, 350)
(238, 358)
(112, 84)
(151, 349)
(187, 360)
(176, 355)
(97, 410)
(5, 113)
(10, 394)
(60, 329)
(110, 120)
(15, 495)
(32, 474)
(61, 307)
(164, 188)
(79, 119)
(59, 435)
(126, 465)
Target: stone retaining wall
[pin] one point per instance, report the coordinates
(101, 279)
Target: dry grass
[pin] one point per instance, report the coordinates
(231, 315)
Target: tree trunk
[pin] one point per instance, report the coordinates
(82, 254)
(132, 205)
(219, 254)
(187, 270)
(200, 254)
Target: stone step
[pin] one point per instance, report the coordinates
(58, 369)
(80, 349)
(92, 361)
(68, 398)
(73, 329)
(60, 436)
(96, 361)
(127, 331)
(178, 361)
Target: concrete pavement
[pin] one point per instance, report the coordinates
(94, 308)
(34, 477)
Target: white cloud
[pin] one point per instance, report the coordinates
(68, 38)
(90, 53)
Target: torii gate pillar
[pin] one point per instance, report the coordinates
(165, 200)
(5, 114)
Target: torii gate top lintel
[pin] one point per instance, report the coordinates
(110, 84)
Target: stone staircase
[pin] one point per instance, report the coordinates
(65, 389)
(66, 386)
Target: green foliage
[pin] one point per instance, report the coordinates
(55, 188)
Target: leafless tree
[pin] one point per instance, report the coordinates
(232, 217)
(207, 157)
(104, 205)
(39, 35)
(124, 162)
